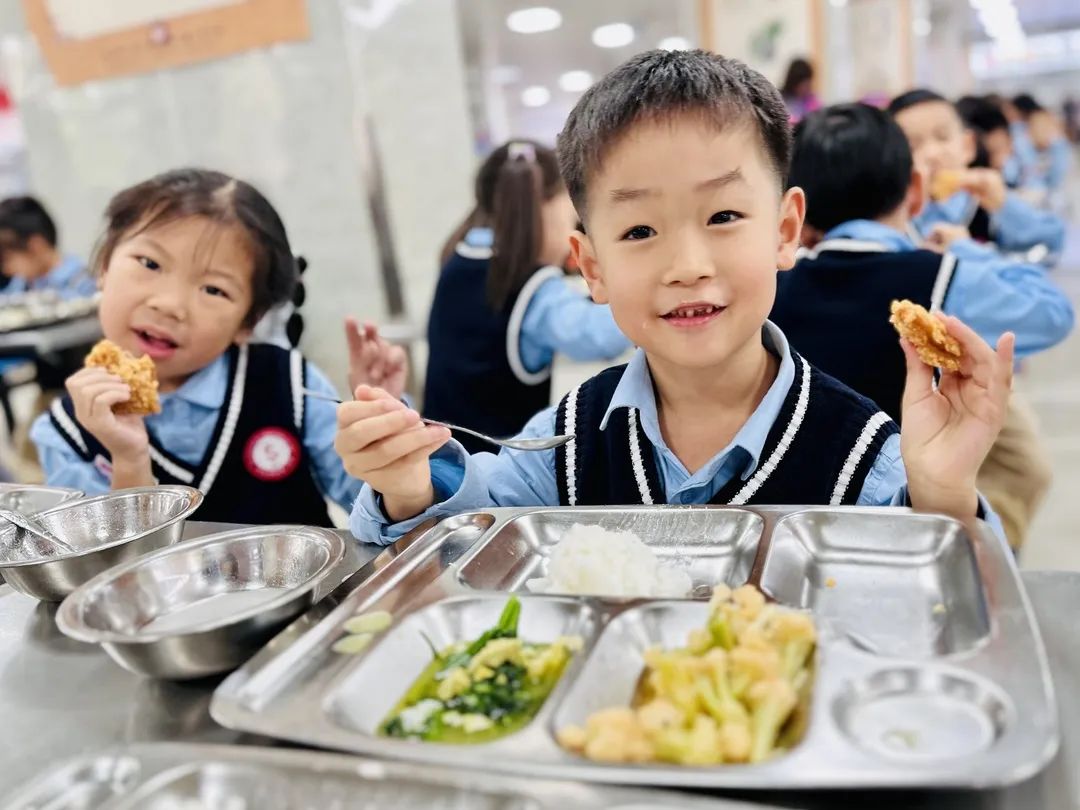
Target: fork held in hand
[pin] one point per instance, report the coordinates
(538, 443)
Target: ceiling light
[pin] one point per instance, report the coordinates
(921, 27)
(674, 44)
(575, 81)
(535, 96)
(534, 20)
(613, 35)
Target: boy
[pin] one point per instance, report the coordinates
(862, 190)
(189, 262)
(854, 165)
(29, 255)
(677, 163)
(994, 138)
(941, 143)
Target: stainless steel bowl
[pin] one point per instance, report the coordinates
(105, 531)
(30, 499)
(204, 606)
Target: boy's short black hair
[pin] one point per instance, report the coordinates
(912, 98)
(1026, 104)
(852, 161)
(656, 85)
(981, 114)
(26, 217)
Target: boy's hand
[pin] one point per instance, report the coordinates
(94, 391)
(373, 361)
(943, 234)
(385, 444)
(987, 186)
(948, 432)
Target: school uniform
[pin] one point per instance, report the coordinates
(240, 430)
(834, 306)
(491, 370)
(811, 440)
(69, 279)
(1017, 228)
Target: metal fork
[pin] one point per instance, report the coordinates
(539, 443)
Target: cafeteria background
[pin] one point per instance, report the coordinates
(364, 121)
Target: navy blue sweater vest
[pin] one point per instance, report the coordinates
(819, 451)
(475, 377)
(834, 309)
(255, 469)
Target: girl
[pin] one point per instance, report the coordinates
(189, 262)
(503, 305)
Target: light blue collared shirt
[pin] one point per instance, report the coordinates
(69, 279)
(1018, 226)
(185, 426)
(558, 318)
(990, 293)
(516, 478)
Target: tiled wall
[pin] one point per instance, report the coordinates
(282, 118)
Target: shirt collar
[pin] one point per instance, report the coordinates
(635, 390)
(867, 230)
(206, 387)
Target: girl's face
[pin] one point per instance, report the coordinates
(559, 218)
(178, 292)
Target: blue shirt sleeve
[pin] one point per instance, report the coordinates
(1020, 226)
(63, 467)
(561, 319)
(886, 484)
(993, 294)
(320, 427)
(467, 483)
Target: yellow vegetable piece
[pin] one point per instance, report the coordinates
(353, 644)
(374, 622)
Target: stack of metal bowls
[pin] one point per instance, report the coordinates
(30, 499)
(104, 531)
(204, 606)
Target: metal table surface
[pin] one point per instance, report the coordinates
(59, 698)
(51, 338)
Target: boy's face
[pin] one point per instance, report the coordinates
(937, 136)
(686, 230)
(999, 146)
(27, 260)
(178, 292)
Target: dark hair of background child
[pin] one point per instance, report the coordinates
(25, 217)
(982, 116)
(659, 85)
(912, 98)
(510, 192)
(852, 161)
(222, 199)
(799, 72)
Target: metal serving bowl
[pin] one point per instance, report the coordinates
(204, 606)
(105, 531)
(30, 499)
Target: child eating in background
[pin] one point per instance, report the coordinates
(30, 256)
(189, 262)
(677, 165)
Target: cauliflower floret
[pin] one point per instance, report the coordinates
(614, 735)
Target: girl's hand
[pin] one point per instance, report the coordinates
(943, 234)
(373, 361)
(947, 432)
(94, 392)
(987, 186)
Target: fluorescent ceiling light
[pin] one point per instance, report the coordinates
(533, 20)
(674, 44)
(535, 96)
(575, 81)
(613, 35)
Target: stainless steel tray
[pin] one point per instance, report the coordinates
(930, 669)
(212, 777)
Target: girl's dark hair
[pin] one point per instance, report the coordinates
(798, 71)
(511, 186)
(222, 199)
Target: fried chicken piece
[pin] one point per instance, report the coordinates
(139, 373)
(934, 345)
(944, 184)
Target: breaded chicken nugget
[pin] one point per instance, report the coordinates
(139, 373)
(934, 345)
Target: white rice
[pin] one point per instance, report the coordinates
(591, 560)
